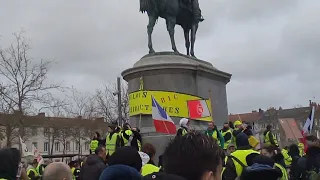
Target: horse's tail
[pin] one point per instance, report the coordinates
(146, 5)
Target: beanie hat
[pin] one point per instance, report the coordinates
(242, 140)
(120, 172)
(162, 176)
(126, 156)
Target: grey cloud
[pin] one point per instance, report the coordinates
(270, 46)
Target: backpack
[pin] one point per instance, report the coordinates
(314, 173)
(301, 171)
(239, 162)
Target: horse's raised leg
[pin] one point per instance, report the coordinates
(187, 39)
(152, 22)
(171, 22)
(193, 38)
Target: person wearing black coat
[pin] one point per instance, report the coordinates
(9, 163)
(137, 139)
(94, 165)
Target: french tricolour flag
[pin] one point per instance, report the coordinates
(307, 127)
(162, 121)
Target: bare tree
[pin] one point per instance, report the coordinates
(22, 79)
(107, 102)
(81, 104)
(64, 136)
(51, 134)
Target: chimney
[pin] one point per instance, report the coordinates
(260, 111)
(79, 117)
(254, 111)
(42, 114)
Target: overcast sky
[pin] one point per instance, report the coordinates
(271, 47)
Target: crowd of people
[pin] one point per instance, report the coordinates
(228, 154)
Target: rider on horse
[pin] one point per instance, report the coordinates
(193, 6)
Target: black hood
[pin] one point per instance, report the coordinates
(313, 151)
(224, 129)
(265, 132)
(294, 150)
(9, 162)
(242, 140)
(137, 135)
(162, 176)
(93, 159)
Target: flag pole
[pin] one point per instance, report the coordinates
(239, 117)
(211, 107)
(140, 89)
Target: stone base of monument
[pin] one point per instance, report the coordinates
(168, 71)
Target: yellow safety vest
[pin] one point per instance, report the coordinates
(301, 149)
(139, 144)
(3, 179)
(233, 137)
(40, 169)
(184, 131)
(241, 155)
(283, 170)
(149, 169)
(287, 157)
(93, 145)
(111, 143)
(33, 170)
(214, 136)
(72, 171)
(226, 143)
(267, 140)
(126, 141)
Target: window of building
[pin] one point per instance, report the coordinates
(68, 146)
(34, 131)
(318, 134)
(86, 146)
(46, 131)
(57, 146)
(77, 145)
(46, 147)
(35, 144)
(263, 125)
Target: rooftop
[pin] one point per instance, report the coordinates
(41, 120)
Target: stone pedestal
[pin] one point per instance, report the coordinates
(167, 71)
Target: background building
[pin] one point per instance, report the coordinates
(287, 123)
(51, 135)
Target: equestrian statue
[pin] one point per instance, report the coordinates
(185, 13)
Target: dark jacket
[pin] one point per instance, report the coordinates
(162, 176)
(248, 131)
(135, 139)
(92, 168)
(9, 162)
(237, 131)
(120, 172)
(310, 162)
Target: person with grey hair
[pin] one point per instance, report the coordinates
(57, 171)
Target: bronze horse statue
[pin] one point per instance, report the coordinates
(174, 12)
